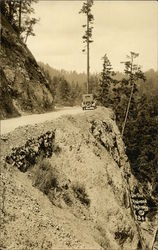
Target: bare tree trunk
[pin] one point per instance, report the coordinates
(127, 111)
(27, 34)
(130, 98)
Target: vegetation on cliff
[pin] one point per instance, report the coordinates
(138, 121)
(18, 13)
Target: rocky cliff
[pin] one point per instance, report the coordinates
(24, 88)
(76, 190)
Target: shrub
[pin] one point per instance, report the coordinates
(81, 194)
(45, 176)
(67, 199)
(121, 236)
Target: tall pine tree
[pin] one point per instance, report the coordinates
(87, 37)
(134, 73)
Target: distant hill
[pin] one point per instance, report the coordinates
(72, 77)
(149, 87)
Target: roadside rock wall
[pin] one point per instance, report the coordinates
(26, 88)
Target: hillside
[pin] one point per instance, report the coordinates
(70, 187)
(74, 77)
(70, 76)
(24, 88)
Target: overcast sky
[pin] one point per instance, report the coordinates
(119, 27)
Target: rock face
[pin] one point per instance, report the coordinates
(24, 88)
(80, 197)
(27, 155)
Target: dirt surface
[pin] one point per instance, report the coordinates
(88, 205)
(9, 125)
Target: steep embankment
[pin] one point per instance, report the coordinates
(78, 197)
(23, 88)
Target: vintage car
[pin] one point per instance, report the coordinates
(88, 102)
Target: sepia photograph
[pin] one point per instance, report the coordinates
(78, 125)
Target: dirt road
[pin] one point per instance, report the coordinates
(10, 124)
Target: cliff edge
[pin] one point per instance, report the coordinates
(67, 184)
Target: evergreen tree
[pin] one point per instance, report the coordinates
(141, 139)
(76, 94)
(106, 82)
(18, 13)
(63, 92)
(125, 91)
(28, 28)
(134, 73)
(87, 37)
(141, 127)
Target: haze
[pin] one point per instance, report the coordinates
(119, 27)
